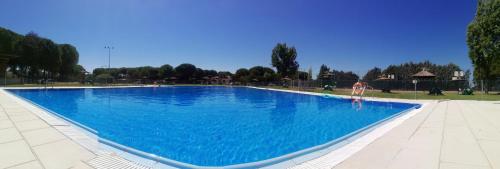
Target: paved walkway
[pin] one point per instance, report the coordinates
(451, 134)
(26, 141)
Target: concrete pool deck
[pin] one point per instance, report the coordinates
(447, 134)
(450, 134)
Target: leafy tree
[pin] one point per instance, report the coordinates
(69, 59)
(262, 74)
(323, 71)
(372, 74)
(33, 57)
(284, 59)
(483, 40)
(210, 73)
(185, 72)
(153, 73)
(78, 73)
(166, 71)
(8, 39)
(345, 76)
(50, 57)
(199, 74)
(223, 74)
(27, 64)
(242, 76)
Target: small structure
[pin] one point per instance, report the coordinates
(425, 80)
(385, 81)
(424, 75)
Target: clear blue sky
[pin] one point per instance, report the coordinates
(351, 35)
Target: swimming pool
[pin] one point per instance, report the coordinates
(212, 126)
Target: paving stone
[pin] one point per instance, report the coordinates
(14, 153)
(28, 165)
(31, 125)
(9, 134)
(61, 154)
(445, 165)
(492, 151)
(42, 136)
(6, 124)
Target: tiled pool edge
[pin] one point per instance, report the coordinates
(289, 160)
(80, 134)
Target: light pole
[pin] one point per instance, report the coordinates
(109, 59)
(415, 81)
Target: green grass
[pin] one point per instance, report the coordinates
(421, 95)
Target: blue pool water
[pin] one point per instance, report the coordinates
(212, 126)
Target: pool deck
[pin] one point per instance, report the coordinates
(449, 134)
(445, 134)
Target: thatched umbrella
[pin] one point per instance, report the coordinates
(424, 75)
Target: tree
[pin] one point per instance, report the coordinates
(223, 74)
(78, 73)
(210, 73)
(483, 40)
(284, 60)
(50, 57)
(8, 39)
(344, 76)
(323, 72)
(242, 76)
(32, 57)
(166, 71)
(262, 74)
(27, 64)
(372, 74)
(185, 72)
(69, 59)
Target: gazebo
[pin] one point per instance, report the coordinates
(425, 79)
(424, 75)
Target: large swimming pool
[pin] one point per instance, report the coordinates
(212, 126)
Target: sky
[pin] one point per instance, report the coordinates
(349, 35)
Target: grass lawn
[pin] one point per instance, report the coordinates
(421, 95)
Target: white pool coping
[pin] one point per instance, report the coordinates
(327, 157)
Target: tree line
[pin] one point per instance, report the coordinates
(32, 57)
(405, 71)
(283, 58)
(183, 73)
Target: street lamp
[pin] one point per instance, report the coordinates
(415, 81)
(109, 59)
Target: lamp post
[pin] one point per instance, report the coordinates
(415, 81)
(109, 59)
